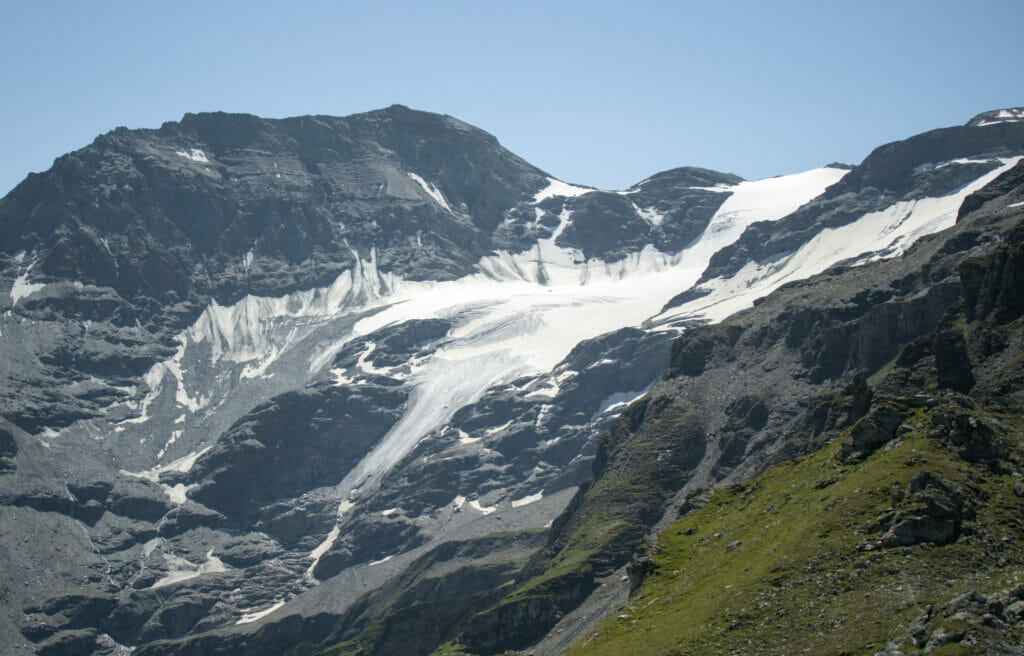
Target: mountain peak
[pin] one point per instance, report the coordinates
(997, 116)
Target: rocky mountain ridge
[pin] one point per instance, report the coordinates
(318, 353)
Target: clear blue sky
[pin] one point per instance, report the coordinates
(599, 93)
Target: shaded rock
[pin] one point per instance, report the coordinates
(176, 616)
(639, 568)
(249, 550)
(366, 539)
(69, 643)
(870, 433)
(8, 451)
(695, 500)
(952, 364)
(931, 513)
(293, 443)
(138, 499)
(974, 439)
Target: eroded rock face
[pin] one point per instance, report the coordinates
(871, 432)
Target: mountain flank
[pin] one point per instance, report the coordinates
(376, 385)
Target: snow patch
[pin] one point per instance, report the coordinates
(876, 235)
(431, 190)
(618, 401)
(22, 288)
(486, 510)
(194, 154)
(317, 553)
(183, 570)
(252, 616)
(497, 429)
(559, 188)
(649, 214)
(1013, 115)
(178, 494)
(533, 498)
(341, 377)
(464, 438)
(182, 465)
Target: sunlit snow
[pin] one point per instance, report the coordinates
(1014, 115)
(559, 188)
(22, 287)
(533, 498)
(195, 155)
(183, 570)
(886, 233)
(431, 190)
(487, 510)
(252, 616)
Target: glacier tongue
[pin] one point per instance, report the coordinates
(520, 314)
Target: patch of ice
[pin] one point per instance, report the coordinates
(1011, 206)
(379, 562)
(533, 498)
(252, 616)
(389, 512)
(458, 502)
(431, 190)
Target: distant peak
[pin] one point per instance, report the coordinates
(997, 116)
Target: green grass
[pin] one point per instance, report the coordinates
(801, 580)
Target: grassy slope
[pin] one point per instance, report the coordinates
(807, 576)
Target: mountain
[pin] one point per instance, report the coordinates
(897, 530)
(271, 386)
